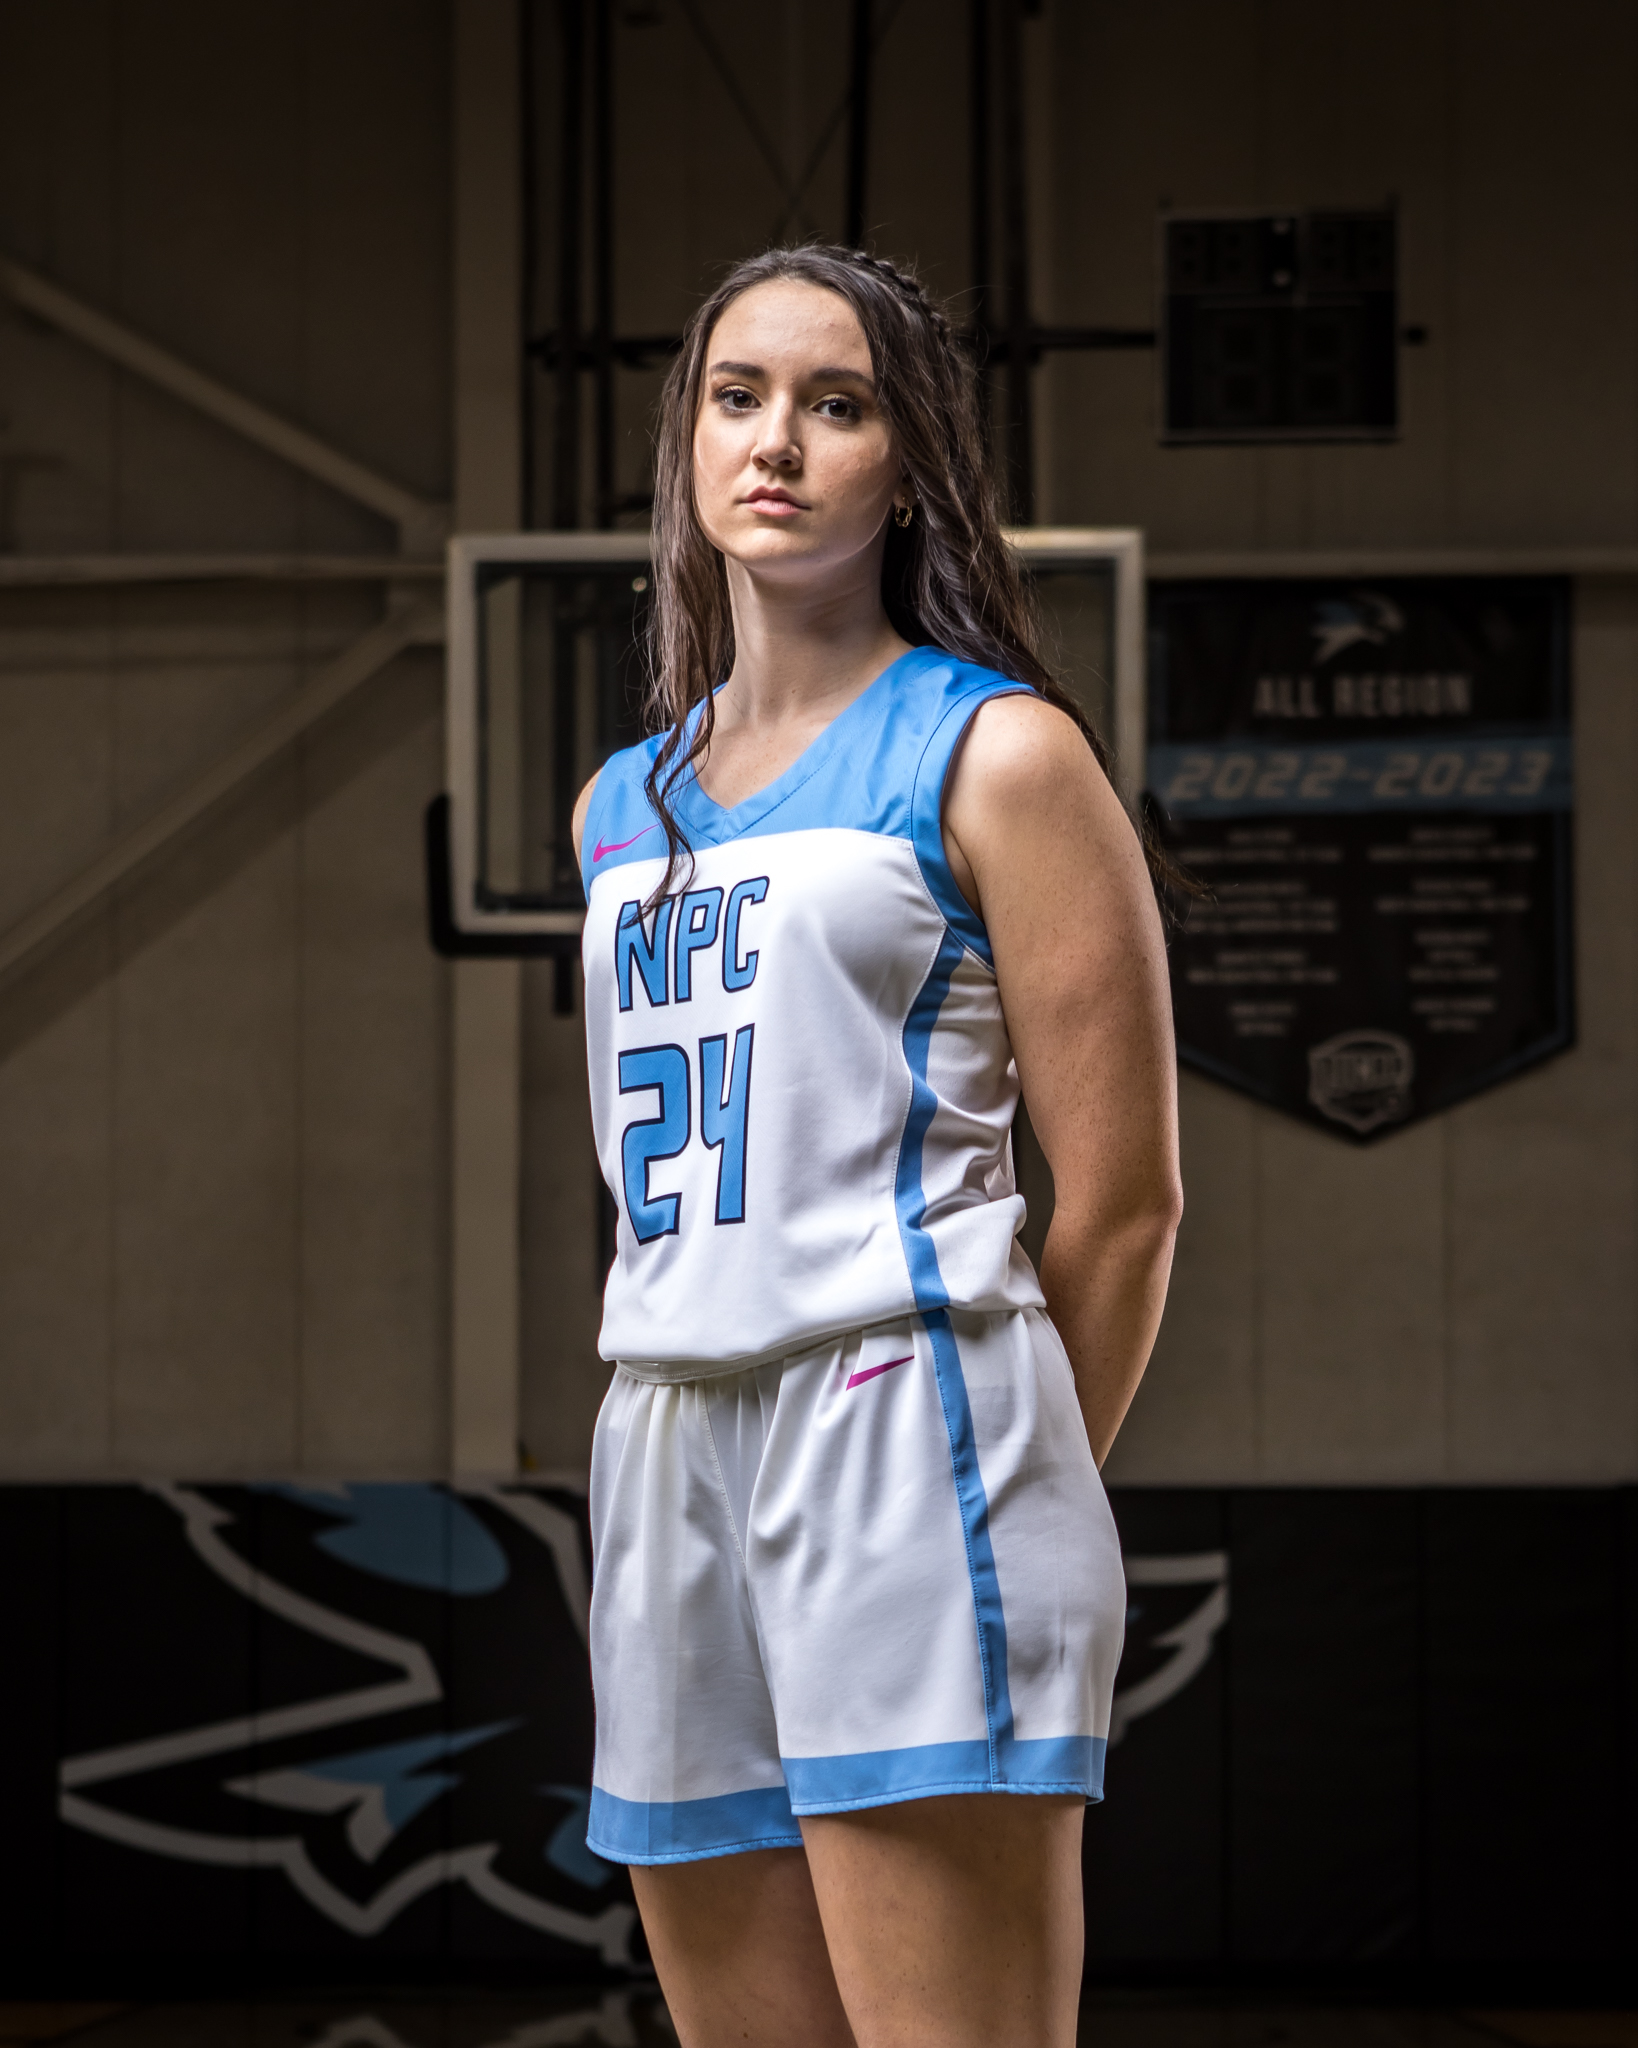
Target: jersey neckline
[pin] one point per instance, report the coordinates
(714, 823)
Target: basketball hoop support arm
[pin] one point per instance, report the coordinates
(421, 525)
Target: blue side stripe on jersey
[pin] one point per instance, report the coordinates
(932, 1300)
(909, 1198)
(837, 1784)
(687, 1830)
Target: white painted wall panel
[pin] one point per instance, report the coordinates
(373, 1055)
(206, 1164)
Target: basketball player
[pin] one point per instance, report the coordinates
(857, 1596)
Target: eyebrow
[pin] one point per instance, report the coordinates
(827, 373)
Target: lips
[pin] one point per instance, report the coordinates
(774, 501)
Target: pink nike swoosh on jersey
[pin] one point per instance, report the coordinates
(620, 845)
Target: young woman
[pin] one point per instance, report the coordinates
(858, 1598)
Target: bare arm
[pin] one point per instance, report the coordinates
(582, 804)
(1041, 847)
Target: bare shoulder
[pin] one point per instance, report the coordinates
(1024, 758)
(582, 804)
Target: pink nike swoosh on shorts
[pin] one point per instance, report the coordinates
(619, 845)
(871, 1371)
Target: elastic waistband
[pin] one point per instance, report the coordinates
(685, 1371)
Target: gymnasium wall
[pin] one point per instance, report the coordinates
(223, 1100)
(307, 1734)
(1391, 1428)
(224, 1238)
(1457, 1303)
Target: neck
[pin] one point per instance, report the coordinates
(801, 651)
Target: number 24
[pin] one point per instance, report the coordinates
(664, 1070)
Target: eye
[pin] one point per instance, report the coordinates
(840, 408)
(735, 398)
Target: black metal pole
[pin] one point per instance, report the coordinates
(1015, 212)
(570, 200)
(858, 126)
(566, 454)
(603, 262)
(978, 168)
(530, 267)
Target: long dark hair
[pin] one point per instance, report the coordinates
(949, 580)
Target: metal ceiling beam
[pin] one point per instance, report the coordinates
(422, 525)
(1019, 386)
(416, 626)
(858, 126)
(90, 572)
(1589, 561)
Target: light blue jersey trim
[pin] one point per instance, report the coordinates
(621, 824)
(1071, 1764)
(688, 1830)
(857, 773)
(879, 766)
(927, 809)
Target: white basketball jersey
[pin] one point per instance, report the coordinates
(801, 1084)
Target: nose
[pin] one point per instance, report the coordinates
(777, 444)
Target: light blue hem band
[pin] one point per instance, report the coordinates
(832, 1784)
(690, 1830)
(684, 1831)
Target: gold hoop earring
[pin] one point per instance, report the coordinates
(903, 514)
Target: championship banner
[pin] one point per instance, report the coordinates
(1374, 783)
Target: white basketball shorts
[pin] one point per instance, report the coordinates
(880, 1570)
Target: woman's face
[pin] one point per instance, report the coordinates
(794, 466)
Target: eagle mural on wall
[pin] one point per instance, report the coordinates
(415, 1711)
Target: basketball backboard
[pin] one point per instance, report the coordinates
(544, 683)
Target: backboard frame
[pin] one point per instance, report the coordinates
(461, 924)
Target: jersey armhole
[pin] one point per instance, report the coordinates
(586, 827)
(596, 811)
(927, 812)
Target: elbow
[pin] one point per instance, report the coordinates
(1150, 1225)
(1139, 1226)
(1169, 1205)
(1151, 1210)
